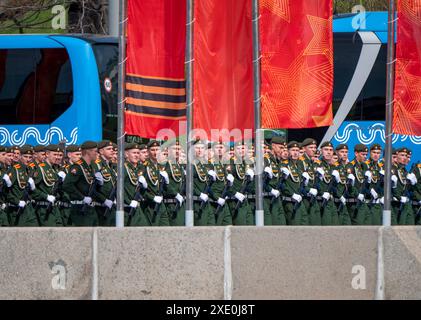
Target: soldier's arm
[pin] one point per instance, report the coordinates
(38, 194)
(69, 184)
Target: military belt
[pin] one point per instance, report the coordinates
(352, 200)
(250, 196)
(415, 203)
(288, 199)
(170, 201)
(63, 204)
(80, 202)
(43, 203)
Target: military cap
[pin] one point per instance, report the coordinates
(89, 145)
(27, 149)
(198, 141)
(7, 150)
(394, 151)
(293, 144)
(143, 146)
(13, 148)
(409, 152)
(403, 149)
(307, 142)
(53, 147)
(239, 143)
(74, 148)
(278, 140)
(360, 148)
(39, 148)
(3, 149)
(326, 144)
(115, 146)
(132, 145)
(342, 146)
(153, 143)
(375, 146)
(104, 143)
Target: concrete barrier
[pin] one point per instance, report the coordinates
(210, 263)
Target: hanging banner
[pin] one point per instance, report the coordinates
(297, 63)
(407, 107)
(155, 82)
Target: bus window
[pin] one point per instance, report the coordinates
(36, 85)
(106, 55)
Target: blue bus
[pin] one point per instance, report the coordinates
(56, 87)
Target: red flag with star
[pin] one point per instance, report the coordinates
(297, 63)
(407, 107)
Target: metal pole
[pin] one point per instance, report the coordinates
(189, 106)
(113, 18)
(257, 116)
(389, 115)
(120, 107)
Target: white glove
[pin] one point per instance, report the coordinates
(352, 178)
(62, 175)
(404, 199)
(6, 179)
(99, 178)
(285, 172)
(361, 197)
(269, 171)
(343, 200)
(3, 206)
(239, 196)
(158, 199)
(326, 196)
(230, 179)
(108, 203)
(51, 198)
(87, 200)
(381, 200)
(335, 173)
(320, 171)
(221, 202)
(275, 193)
(369, 176)
(164, 174)
(134, 204)
(31, 183)
(306, 177)
(412, 178)
(22, 204)
(395, 181)
(374, 194)
(143, 182)
(297, 197)
(204, 197)
(179, 198)
(212, 174)
(313, 192)
(381, 172)
(250, 173)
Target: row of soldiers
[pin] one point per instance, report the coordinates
(41, 188)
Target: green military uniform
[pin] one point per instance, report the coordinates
(341, 193)
(376, 188)
(79, 184)
(416, 194)
(295, 211)
(4, 221)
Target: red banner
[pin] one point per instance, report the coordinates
(407, 108)
(297, 63)
(223, 70)
(155, 82)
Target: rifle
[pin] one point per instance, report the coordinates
(297, 204)
(209, 183)
(224, 194)
(243, 189)
(91, 191)
(178, 205)
(407, 193)
(158, 205)
(26, 199)
(330, 189)
(280, 186)
(137, 197)
(111, 197)
(55, 189)
(317, 187)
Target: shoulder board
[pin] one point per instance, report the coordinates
(267, 156)
(381, 164)
(419, 165)
(285, 162)
(146, 163)
(301, 158)
(352, 162)
(42, 164)
(336, 164)
(317, 161)
(66, 165)
(368, 162)
(98, 161)
(79, 162)
(17, 166)
(31, 165)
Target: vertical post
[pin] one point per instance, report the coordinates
(120, 108)
(113, 18)
(189, 106)
(389, 114)
(257, 115)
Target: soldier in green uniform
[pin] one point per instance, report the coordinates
(16, 154)
(45, 194)
(174, 193)
(40, 154)
(4, 167)
(239, 205)
(220, 187)
(341, 192)
(295, 210)
(328, 183)
(402, 212)
(135, 186)
(202, 180)
(80, 185)
(107, 194)
(376, 186)
(157, 178)
(359, 194)
(416, 193)
(20, 187)
(312, 189)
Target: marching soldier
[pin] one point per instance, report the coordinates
(15, 154)
(135, 186)
(416, 189)
(295, 210)
(80, 185)
(402, 212)
(45, 194)
(107, 194)
(376, 186)
(4, 166)
(40, 154)
(20, 186)
(341, 192)
(157, 178)
(360, 178)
